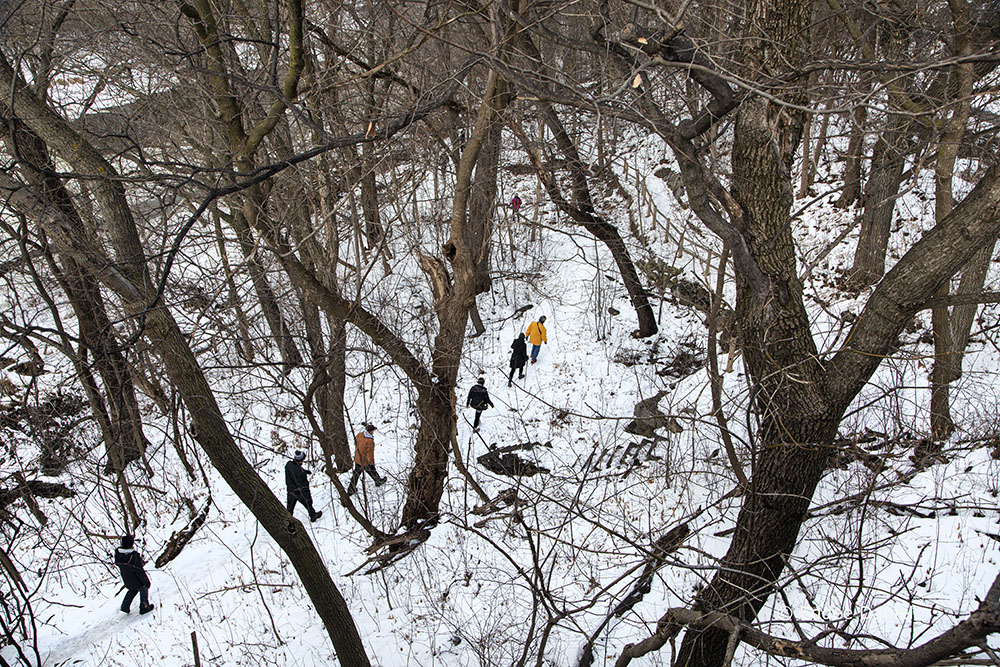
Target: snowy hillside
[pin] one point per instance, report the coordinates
(557, 563)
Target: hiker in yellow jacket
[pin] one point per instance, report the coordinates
(536, 336)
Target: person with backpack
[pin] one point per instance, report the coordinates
(134, 577)
(364, 458)
(297, 483)
(518, 358)
(537, 335)
(515, 203)
(478, 400)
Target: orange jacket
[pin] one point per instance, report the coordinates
(536, 333)
(364, 449)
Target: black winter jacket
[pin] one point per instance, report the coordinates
(479, 398)
(296, 479)
(129, 563)
(519, 356)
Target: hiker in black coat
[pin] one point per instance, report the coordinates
(479, 400)
(136, 580)
(297, 482)
(518, 358)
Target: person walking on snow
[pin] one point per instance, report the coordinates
(364, 458)
(537, 335)
(297, 483)
(515, 203)
(479, 400)
(518, 358)
(134, 577)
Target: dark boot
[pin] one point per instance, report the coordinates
(316, 516)
(148, 608)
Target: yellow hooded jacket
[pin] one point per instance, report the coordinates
(536, 333)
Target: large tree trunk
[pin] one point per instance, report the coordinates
(797, 418)
(797, 421)
(789, 466)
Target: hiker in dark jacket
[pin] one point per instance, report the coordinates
(136, 580)
(479, 400)
(518, 358)
(297, 482)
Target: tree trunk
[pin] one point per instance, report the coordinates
(289, 351)
(797, 418)
(878, 203)
(242, 145)
(374, 229)
(878, 200)
(337, 441)
(582, 210)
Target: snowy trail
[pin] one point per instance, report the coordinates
(101, 627)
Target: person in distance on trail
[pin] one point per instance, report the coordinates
(518, 357)
(364, 458)
(297, 483)
(134, 577)
(536, 336)
(515, 203)
(478, 400)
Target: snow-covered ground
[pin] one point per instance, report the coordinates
(888, 554)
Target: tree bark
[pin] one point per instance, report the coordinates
(854, 159)
(879, 201)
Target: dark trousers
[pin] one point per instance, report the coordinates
(534, 351)
(475, 422)
(520, 374)
(358, 469)
(299, 497)
(143, 598)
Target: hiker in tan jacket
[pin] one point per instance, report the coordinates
(364, 458)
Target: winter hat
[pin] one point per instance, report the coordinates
(370, 427)
(299, 456)
(128, 541)
(541, 319)
(481, 381)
